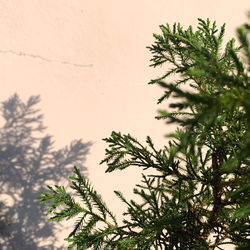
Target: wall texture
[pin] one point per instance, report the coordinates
(89, 63)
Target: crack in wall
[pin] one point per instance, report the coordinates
(20, 53)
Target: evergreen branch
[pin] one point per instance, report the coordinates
(202, 180)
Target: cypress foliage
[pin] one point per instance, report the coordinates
(200, 197)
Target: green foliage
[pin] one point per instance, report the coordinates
(202, 186)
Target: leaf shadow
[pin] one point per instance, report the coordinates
(29, 162)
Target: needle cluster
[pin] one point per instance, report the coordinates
(199, 198)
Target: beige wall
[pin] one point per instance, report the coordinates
(103, 84)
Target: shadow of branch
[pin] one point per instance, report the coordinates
(28, 163)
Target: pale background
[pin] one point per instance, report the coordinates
(89, 63)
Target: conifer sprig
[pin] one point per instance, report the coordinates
(200, 186)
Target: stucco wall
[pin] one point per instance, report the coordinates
(89, 63)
